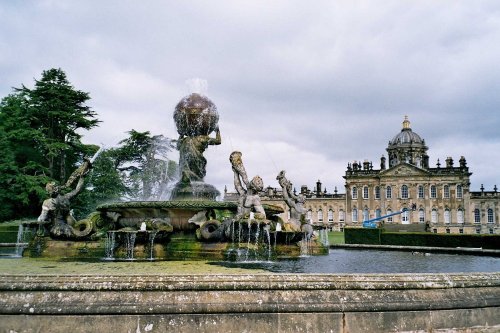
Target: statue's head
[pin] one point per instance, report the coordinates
(52, 189)
(257, 184)
(235, 158)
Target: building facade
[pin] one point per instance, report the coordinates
(434, 199)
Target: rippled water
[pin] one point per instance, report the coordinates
(376, 261)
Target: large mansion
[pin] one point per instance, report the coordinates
(436, 199)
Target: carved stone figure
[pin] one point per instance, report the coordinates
(56, 209)
(196, 118)
(296, 203)
(249, 200)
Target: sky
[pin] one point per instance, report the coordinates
(305, 87)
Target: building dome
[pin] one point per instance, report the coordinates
(408, 147)
(406, 136)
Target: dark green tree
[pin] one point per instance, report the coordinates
(57, 110)
(22, 169)
(39, 141)
(143, 160)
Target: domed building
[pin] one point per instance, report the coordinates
(433, 199)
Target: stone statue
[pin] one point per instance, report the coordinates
(56, 209)
(249, 200)
(196, 118)
(192, 163)
(296, 203)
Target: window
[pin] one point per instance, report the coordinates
(461, 230)
(491, 231)
(435, 230)
(447, 230)
(460, 192)
(477, 216)
(490, 216)
(404, 192)
(421, 215)
(377, 192)
(365, 192)
(354, 215)
(354, 192)
(447, 216)
(460, 216)
(320, 215)
(378, 213)
(366, 214)
(446, 192)
(434, 216)
(405, 217)
(420, 191)
(388, 192)
(309, 215)
(478, 230)
(389, 212)
(330, 215)
(433, 192)
(341, 215)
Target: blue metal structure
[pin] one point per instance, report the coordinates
(373, 223)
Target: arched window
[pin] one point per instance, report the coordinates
(491, 218)
(377, 192)
(320, 215)
(378, 213)
(460, 192)
(404, 192)
(477, 215)
(341, 215)
(421, 215)
(447, 216)
(330, 215)
(365, 192)
(366, 215)
(309, 215)
(388, 192)
(460, 216)
(420, 191)
(446, 192)
(433, 192)
(434, 215)
(354, 192)
(405, 217)
(389, 218)
(354, 215)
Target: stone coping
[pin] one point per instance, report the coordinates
(221, 282)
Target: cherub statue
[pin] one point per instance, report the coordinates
(296, 203)
(56, 209)
(249, 201)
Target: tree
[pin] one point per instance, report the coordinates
(39, 141)
(22, 172)
(147, 169)
(58, 111)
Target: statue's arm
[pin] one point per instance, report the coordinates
(77, 190)
(217, 140)
(237, 183)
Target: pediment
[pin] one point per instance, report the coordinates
(404, 170)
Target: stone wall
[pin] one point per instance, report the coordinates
(251, 303)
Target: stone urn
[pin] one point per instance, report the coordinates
(196, 115)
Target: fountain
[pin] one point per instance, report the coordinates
(193, 225)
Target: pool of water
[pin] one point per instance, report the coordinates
(375, 261)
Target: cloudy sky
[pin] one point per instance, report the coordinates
(302, 86)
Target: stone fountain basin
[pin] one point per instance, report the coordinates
(177, 213)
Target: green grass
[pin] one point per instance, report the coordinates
(336, 237)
